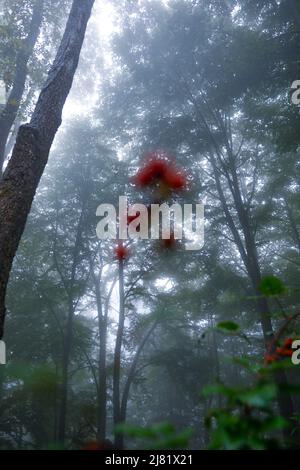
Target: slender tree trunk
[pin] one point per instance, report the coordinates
(251, 261)
(102, 313)
(67, 347)
(1, 382)
(102, 379)
(117, 357)
(217, 375)
(293, 224)
(296, 9)
(246, 243)
(34, 140)
(129, 380)
(11, 139)
(9, 113)
(68, 336)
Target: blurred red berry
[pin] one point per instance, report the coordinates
(288, 342)
(93, 446)
(161, 169)
(121, 252)
(175, 180)
(269, 358)
(281, 351)
(101, 445)
(284, 352)
(157, 168)
(288, 352)
(153, 171)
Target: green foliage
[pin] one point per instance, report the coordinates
(240, 432)
(271, 286)
(247, 420)
(179, 80)
(228, 326)
(158, 436)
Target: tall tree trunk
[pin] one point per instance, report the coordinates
(293, 224)
(117, 357)
(243, 238)
(215, 355)
(102, 379)
(34, 140)
(296, 10)
(248, 252)
(67, 347)
(11, 139)
(102, 375)
(130, 378)
(68, 335)
(242, 231)
(9, 113)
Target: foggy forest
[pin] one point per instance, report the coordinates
(149, 225)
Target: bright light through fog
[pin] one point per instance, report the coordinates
(103, 23)
(164, 284)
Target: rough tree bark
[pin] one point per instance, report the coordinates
(34, 140)
(9, 113)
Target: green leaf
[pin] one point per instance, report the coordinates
(271, 285)
(158, 436)
(215, 389)
(259, 397)
(228, 325)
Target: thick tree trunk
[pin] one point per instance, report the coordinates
(117, 357)
(9, 113)
(34, 140)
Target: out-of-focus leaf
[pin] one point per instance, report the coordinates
(228, 325)
(271, 285)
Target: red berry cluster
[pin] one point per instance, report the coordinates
(99, 445)
(281, 352)
(160, 169)
(121, 251)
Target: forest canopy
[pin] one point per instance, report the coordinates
(150, 329)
